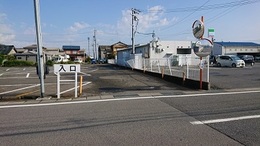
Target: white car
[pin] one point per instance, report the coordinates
(78, 60)
(230, 61)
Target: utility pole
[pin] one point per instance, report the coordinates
(95, 44)
(40, 56)
(134, 18)
(88, 46)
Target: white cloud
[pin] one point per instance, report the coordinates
(154, 18)
(30, 31)
(77, 26)
(6, 32)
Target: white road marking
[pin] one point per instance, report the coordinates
(74, 88)
(7, 69)
(225, 120)
(93, 70)
(28, 74)
(19, 89)
(123, 99)
(24, 68)
(1, 75)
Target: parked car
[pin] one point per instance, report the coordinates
(102, 61)
(212, 59)
(230, 61)
(257, 58)
(93, 61)
(78, 60)
(249, 59)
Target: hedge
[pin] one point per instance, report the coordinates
(11, 63)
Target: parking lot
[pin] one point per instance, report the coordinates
(235, 78)
(113, 81)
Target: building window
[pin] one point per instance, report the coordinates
(19, 57)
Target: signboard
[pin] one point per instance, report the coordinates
(211, 32)
(66, 68)
(198, 29)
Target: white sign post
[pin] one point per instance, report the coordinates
(66, 68)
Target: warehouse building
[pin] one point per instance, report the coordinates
(236, 48)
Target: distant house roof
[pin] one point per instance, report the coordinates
(7, 49)
(238, 44)
(119, 43)
(71, 47)
(33, 46)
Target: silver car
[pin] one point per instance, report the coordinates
(230, 61)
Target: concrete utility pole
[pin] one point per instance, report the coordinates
(95, 45)
(88, 46)
(134, 18)
(40, 56)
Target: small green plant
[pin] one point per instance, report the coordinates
(11, 63)
(49, 63)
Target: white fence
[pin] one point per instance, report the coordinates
(171, 66)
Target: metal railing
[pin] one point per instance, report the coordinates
(188, 68)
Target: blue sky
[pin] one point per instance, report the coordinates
(71, 22)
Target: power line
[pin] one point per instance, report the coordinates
(208, 7)
(223, 13)
(187, 16)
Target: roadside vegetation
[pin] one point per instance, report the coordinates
(10, 61)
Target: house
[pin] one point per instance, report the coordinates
(238, 48)
(105, 52)
(32, 48)
(28, 53)
(7, 49)
(74, 52)
(53, 52)
(118, 46)
(26, 56)
(110, 51)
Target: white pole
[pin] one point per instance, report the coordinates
(76, 84)
(208, 69)
(58, 85)
(187, 69)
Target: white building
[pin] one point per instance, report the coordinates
(180, 51)
(239, 48)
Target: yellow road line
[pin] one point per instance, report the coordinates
(26, 93)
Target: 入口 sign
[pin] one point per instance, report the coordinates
(66, 68)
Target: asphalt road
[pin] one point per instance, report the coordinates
(136, 121)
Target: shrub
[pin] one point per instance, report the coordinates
(49, 63)
(11, 63)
